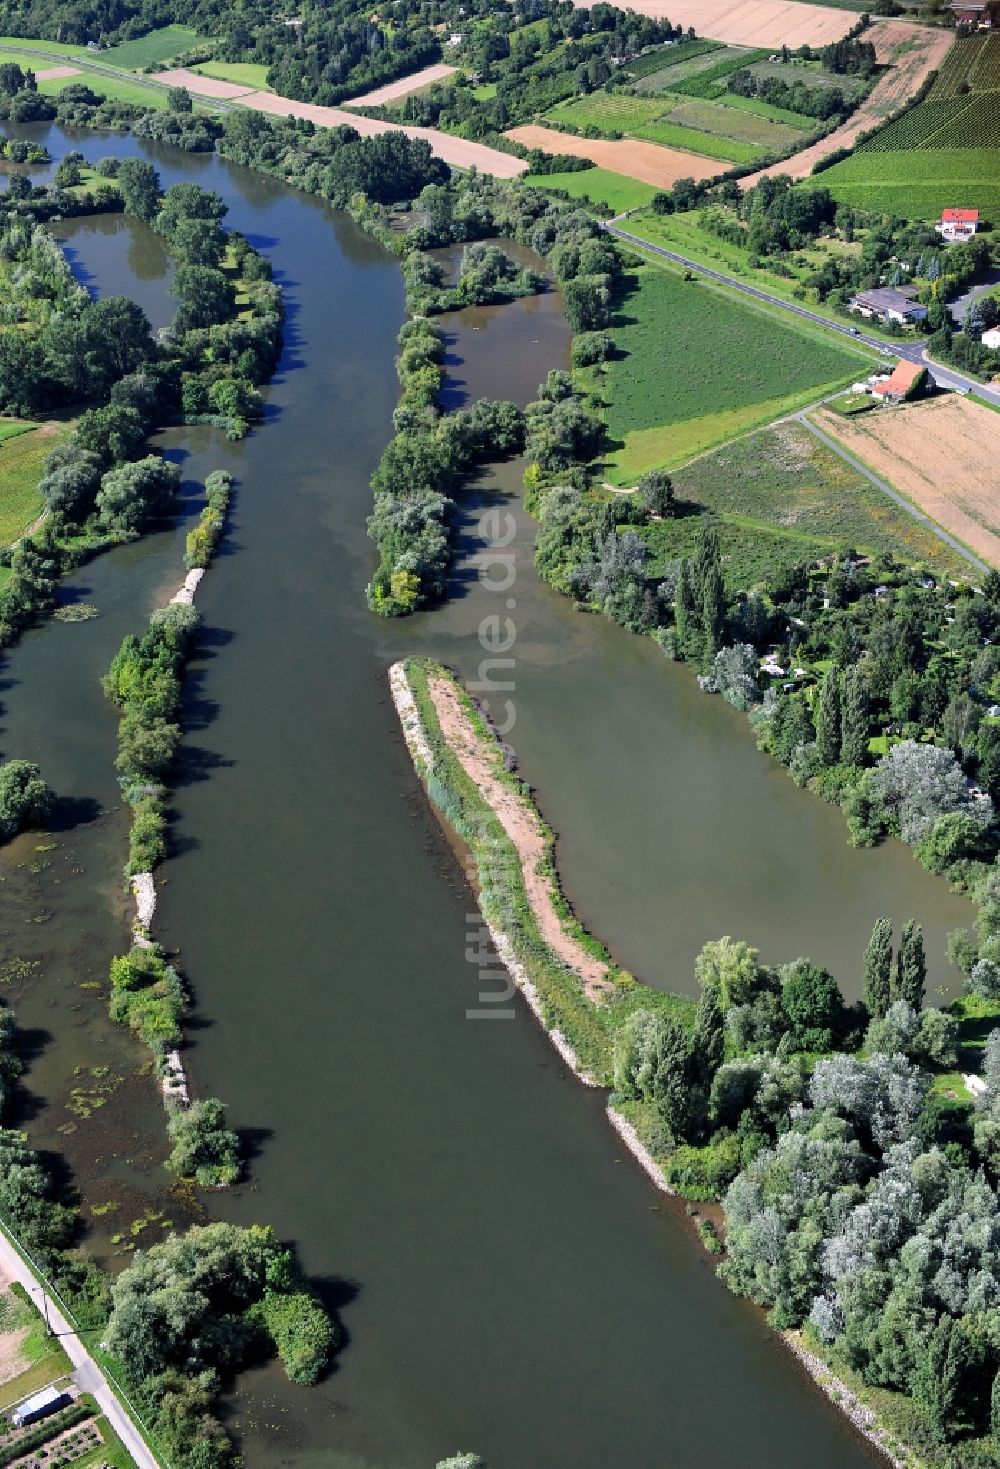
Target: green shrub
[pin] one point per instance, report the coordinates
(302, 1332)
(704, 1173)
(146, 840)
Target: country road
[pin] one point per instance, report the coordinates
(913, 351)
(89, 1376)
(85, 64)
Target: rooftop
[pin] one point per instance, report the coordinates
(886, 298)
(960, 216)
(903, 376)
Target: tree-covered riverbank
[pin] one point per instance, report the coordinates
(858, 1187)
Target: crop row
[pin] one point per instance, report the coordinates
(963, 122)
(972, 64)
(710, 83)
(663, 57)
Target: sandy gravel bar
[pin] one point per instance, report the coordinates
(750, 22)
(915, 51)
(456, 152)
(202, 86)
(392, 91)
(941, 454)
(647, 162)
(56, 73)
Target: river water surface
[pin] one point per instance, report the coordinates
(509, 1281)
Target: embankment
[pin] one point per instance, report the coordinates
(569, 981)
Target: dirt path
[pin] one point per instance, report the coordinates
(457, 152)
(941, 455)
(914, 51)
(650, 163)
(750, 22)
(523, 826)
(392, 91)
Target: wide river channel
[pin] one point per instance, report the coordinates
(508, 1280)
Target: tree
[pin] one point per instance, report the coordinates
(813, 1003)
(877, 969)
(732, 970)
(204, 1148)
(133, 493)
(140, 188)
(204, 297)
(854, 719)
(911, 966)
(828, 718)
(937, 1381)
(917, 784)
(25, 799)
(656, 490)
(708, 1043)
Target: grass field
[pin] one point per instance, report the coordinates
(30, 44)
(21, 461)
(126, 90)
(784, 479)
(737, 123)
(10, 428)
(152, 49)
(242, 73)
(662, 58)
(599, 185)
(697, 368)
(680, 68)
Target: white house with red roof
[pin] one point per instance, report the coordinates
(958, 224)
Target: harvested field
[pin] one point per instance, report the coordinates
(200, 85)
(392, 91)
(457, 152)
(915, 52)
(941, 454)
(751, 22)
(648, 162)
(55, 73)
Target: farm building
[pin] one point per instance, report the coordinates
(40, 1405)
(977, 14)
(888, 305)
(991, 339)
(900, 383)
(958, 224)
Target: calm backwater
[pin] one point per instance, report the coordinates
(509, 1281)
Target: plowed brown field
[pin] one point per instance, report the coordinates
(392, 91)
(942, 455)
(647, 162)
(913, 51)
(751, 22)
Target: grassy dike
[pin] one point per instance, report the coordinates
(581, 1018)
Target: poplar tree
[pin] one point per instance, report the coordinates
(708, 1042)
(911, 966)
(878, 969)
(828, 719)
(854, 720)
(687, 613)
(713, 609)
(995, 1411)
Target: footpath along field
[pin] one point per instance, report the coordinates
(942, 455)
(696, 368)
(946, 149)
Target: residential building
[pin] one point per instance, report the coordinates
(888, 304)
(898, 385)
(958, 224)
(991, 339)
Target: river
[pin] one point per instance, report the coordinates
(508, 1279)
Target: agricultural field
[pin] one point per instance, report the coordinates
(677, 68)
(22, 456)
(796, 70)
(682, 381)
(677, 120)
(635, 158)
(911, 53)
(941, 454)
(598, 185)
(784, 479)
(22, 43)
(769, 23)
(972, 65)
(920, 183)
(153, 49)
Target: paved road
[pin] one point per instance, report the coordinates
(88, 1375)
(913, 351)
(85, 64)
